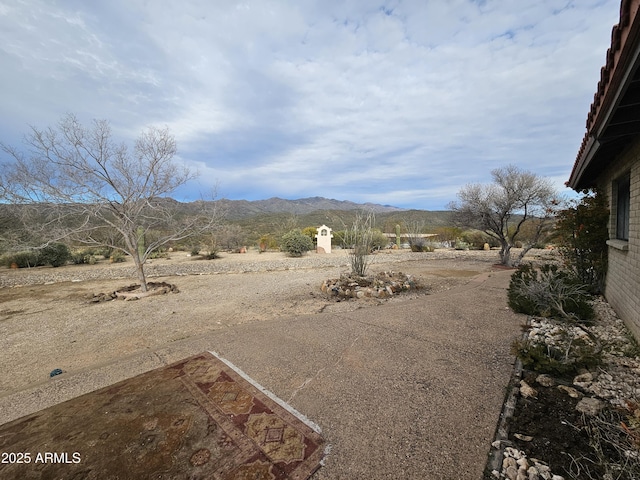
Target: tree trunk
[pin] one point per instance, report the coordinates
(140, 272)
(505, 254)
(525, 250)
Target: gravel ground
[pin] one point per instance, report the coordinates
(181, 264)
(46, 310)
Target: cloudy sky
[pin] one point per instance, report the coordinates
(393, 102)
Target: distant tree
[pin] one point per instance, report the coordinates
(502, 208)
(310, 232)
(230, 237)
(76, 182)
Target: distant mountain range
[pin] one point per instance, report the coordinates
(237, 209)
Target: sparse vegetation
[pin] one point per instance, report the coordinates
(296, 243)
(55, 255)
(26, 259)
(549, 292)
(567, 357)
(267, 242)
(117, 257)
(88, 256)
(360, 239)
(75, 182)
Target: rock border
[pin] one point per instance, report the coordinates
(381, 285)
(133, 292)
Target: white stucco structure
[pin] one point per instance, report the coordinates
(324, 237)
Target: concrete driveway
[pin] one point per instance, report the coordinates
(400, 392)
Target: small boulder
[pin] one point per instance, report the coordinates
(572, 392)
(527, 391)
(583, 380)
(590, 406)
(545, 380)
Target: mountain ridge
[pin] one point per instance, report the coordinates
(237, 209)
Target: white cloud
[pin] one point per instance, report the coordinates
(404, 101)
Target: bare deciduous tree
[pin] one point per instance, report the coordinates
(502, 208)
(78, 183)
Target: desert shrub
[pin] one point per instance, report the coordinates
(340, 238)
(117, 257)
(378, 240)
(566, 357)
(212, 252)
(310, 232)
(55, 254)
(103, 252)
(359, 238)
(549, 292)
(267, 242)
(422, 247)
(24, 259)
(477, 239)
(295, 243)
(461, 245)
(448, 235)
(582, 233)
(158, 253)
(87, 256)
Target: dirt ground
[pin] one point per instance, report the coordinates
(46, 327)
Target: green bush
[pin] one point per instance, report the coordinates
(117, 257)
(25, 259)
(296, 243)
(86, 256)
(549, 292)
(267, 242)
(103, 251)
(567, 359)
(378, 240)
(582, 232)
(159, 253)
(55, 254)
(460, 245)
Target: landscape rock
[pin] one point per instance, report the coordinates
(381, 285)
(590, 406)
(572, 392)
(613, 385)
(527, 391)
(545, 380)
(512, 473)
(583, 380)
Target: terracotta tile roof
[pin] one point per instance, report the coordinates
(619, 55)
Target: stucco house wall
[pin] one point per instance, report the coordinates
(622, 289)
(609, 158)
